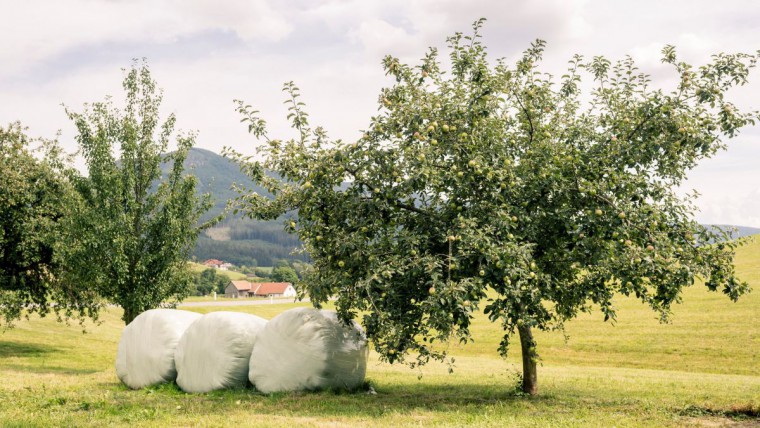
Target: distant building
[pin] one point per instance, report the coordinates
(276, 289)
(217, 264)
(237, 289)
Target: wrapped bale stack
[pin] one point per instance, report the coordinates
(300, 349)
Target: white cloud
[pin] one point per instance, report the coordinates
(250, 19)
(37, 30)
(741, 209)
(379, 38)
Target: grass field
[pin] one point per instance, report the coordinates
(197, 267)
(703, 369)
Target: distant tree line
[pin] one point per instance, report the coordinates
(208, 281)
(248, 253)
(244, 230)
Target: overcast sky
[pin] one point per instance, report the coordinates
(207, 53)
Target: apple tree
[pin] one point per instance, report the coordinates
(487, 187)
(35, 196)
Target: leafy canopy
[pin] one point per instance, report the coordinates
(486, 186)
(132, 232)
(35, 193)
(284, 274)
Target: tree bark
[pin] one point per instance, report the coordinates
(129, 315)
(529, 358)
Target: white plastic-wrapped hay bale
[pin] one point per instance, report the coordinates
(145, 355)
(215, 350)
(307, 349)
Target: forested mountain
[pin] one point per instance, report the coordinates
(245, 242)
(237, 240)
(216, 174)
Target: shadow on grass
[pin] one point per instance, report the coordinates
(739, 412)
(460, 398)
(47, 369)
(13, 349)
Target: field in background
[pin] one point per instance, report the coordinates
(197, 267)
(703, 369)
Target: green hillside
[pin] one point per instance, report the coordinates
(197, 268)
(236, 240)
(216, 175)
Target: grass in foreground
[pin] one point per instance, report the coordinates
(701, 370)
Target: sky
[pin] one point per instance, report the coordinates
(205, 54)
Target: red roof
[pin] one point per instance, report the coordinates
(267, 288)
(213, 262)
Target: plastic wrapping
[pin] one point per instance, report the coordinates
(308, 349)
(145, 355)
(215, 351)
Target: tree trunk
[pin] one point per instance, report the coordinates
(129, 315)
(529, 357)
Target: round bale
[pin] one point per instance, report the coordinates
(215, 350)
(145, 355)
(308, 349)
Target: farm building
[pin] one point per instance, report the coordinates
(217, 264)
(276, 289)
(236, 289)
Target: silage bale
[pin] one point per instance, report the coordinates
(308, 349)
(215, 350)
(145, 355)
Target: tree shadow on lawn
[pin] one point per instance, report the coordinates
(459, 397)
(43, 369)
(13, 349)
(468, 398)
(390, 400)
(34, 351)
(403, 398)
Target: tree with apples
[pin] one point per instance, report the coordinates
(483, 186)
(35, 197)
(132, 229)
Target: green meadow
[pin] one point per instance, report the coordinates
(198, 267)
(702, 369)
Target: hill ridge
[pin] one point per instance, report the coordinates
(238, 240)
